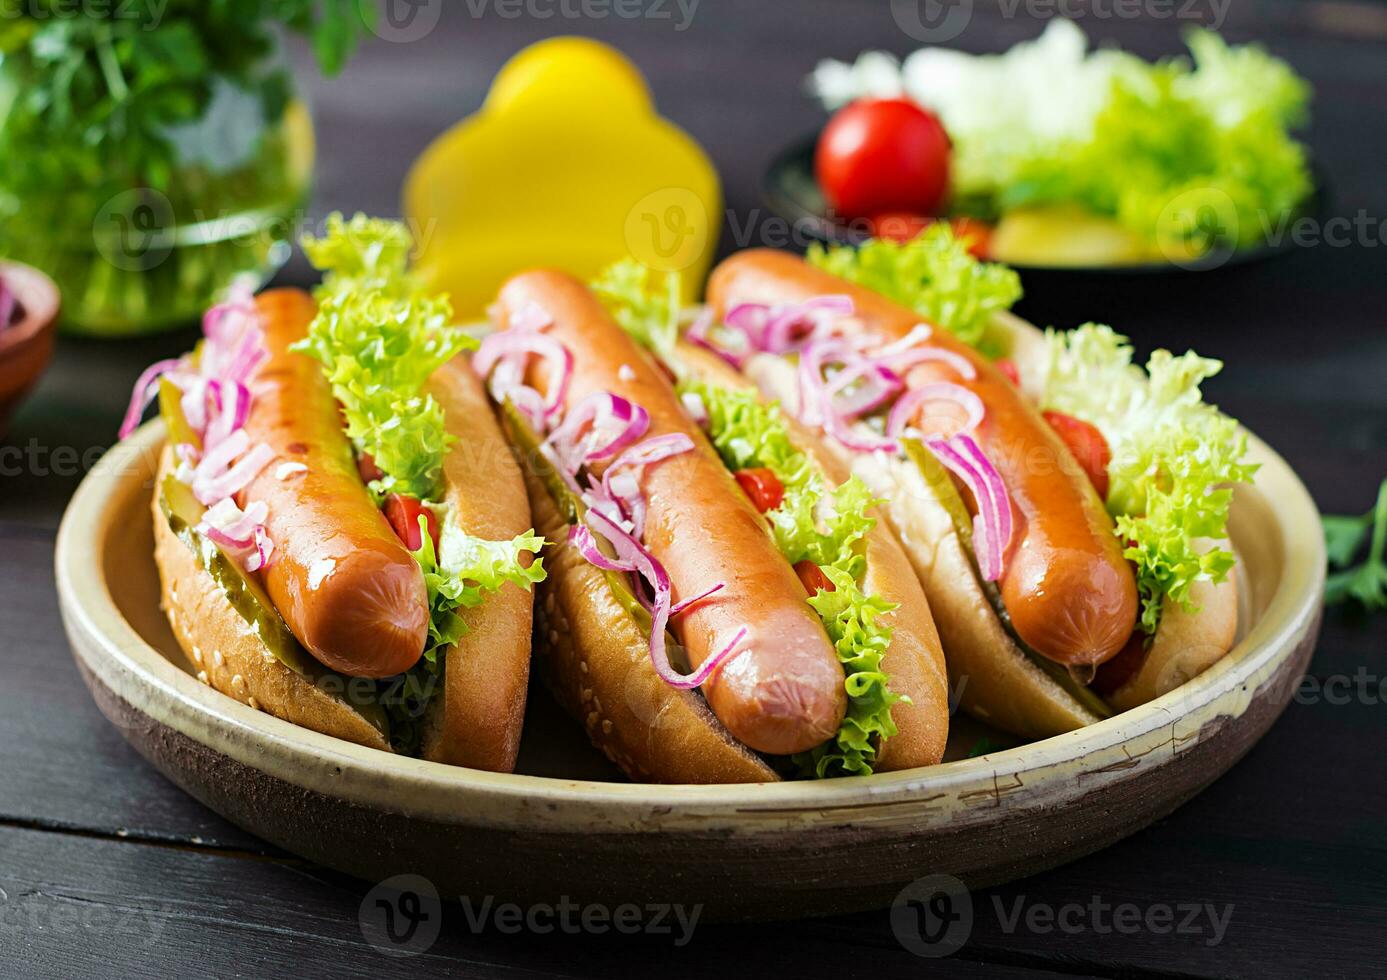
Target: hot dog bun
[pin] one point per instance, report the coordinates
(996, 682)
(595, 647)
(915, 661)
(476, 719)
(595, 659)
(231, 658)
(1188, 641)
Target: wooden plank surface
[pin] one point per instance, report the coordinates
(160, 911)
(90, 836)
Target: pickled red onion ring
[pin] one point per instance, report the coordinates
(633, 557)
(992, 527)
(907, 406)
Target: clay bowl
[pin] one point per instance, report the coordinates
(563, 827)
(26, 345)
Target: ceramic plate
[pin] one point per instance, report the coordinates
(567, 826)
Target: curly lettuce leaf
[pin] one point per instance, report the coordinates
(467, 569)
(1184, 173)
(464, 570)
(827, 527)
(933, 274)
(1235, 82)
(380, 334)
(643, 302)
(1174, 457)
(853, 621)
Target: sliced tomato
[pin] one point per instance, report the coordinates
(762, 486)
(813, 577)
(1087, 445)
(902, 226)
(403, 514)
(975, 234)
(899, 226)
(1009, 368)
(368, 469)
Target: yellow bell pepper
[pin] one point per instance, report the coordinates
(566, 165)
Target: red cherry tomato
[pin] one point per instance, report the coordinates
(813, 577)
(403, 514)
(899, 226)
(902, 226)
(1009, 368)
(762, 486)
(1088, 446)
(368, 469)
(879, 155)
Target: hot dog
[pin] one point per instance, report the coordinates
(784, 692)
(779, 690)
(1067, 575)
(340, 527)
(1066, 587)
(343, 581)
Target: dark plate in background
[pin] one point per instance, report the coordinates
(792, 193)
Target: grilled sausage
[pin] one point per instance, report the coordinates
(1067, 589)
(345, 585)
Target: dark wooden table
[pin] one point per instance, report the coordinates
(108, 870)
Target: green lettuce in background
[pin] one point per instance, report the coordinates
(1186, 153)
(934, 274)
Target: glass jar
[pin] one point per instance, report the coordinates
(139, 252)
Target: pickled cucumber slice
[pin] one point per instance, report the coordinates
(937, 478)
(249, 599)
(571, 508)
